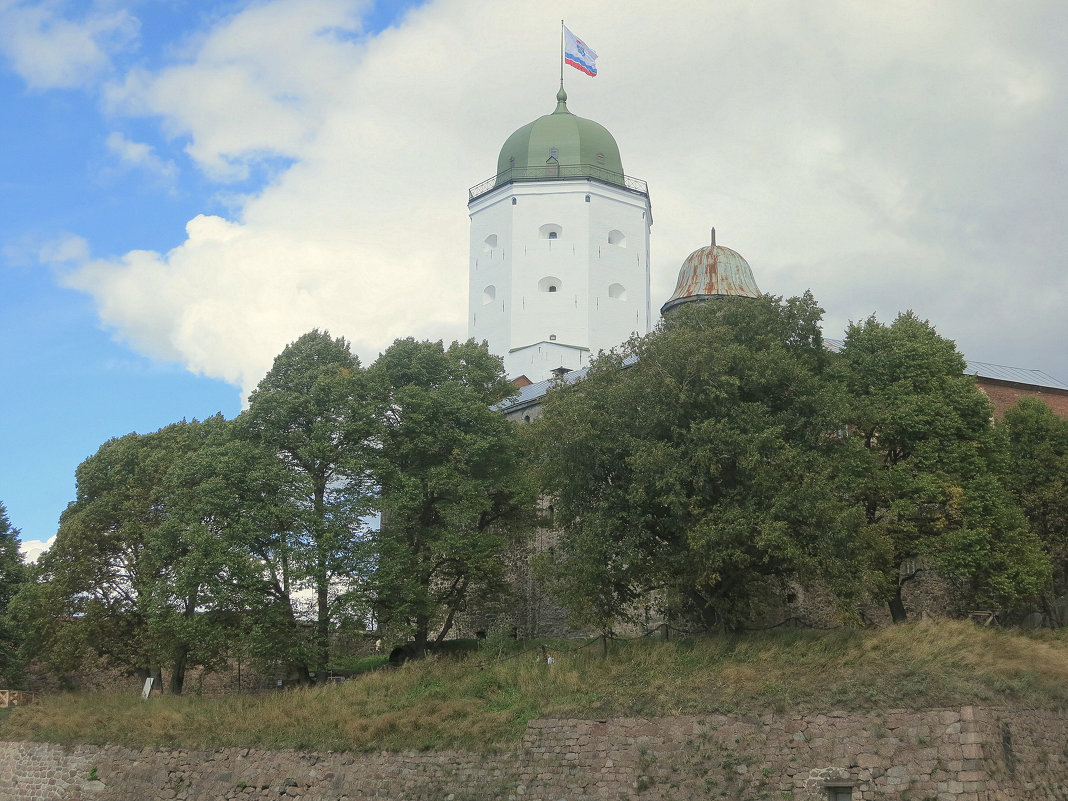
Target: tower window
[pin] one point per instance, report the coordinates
(552, 234)
(489, 243)
(552, 337)
(550, 231)
(587, 198)
(513, 201)
(616, 237)
(617, 292)
(549, 283)
(489, 294)
(600, 158)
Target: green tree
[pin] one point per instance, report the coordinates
(1036, 473)
(450, 488)
(119, 579)
(692, 466)
(12, 576)
(233, 494)
(923, 467)
(312, 411)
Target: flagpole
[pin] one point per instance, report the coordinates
(561, 54)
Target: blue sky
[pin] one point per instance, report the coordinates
(73, 384)
(187, 186)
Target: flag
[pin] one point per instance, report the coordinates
(578, 54)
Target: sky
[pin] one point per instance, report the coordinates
(186, 186)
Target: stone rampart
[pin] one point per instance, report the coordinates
(959, 754)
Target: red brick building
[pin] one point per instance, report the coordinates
(1006, 385)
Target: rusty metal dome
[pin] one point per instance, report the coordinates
(712, 272)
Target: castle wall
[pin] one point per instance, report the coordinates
(959, 754)
(1004, 394)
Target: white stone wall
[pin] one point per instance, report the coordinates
(546, 301)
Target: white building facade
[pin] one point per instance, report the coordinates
(559, 264)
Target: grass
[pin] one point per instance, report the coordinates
(478, 704)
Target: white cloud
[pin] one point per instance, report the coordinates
(888, 157)
(66, 249)
(258, 85)
(141, 156)
(50, 51)
(31, 549)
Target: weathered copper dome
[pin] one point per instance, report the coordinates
(712, 272)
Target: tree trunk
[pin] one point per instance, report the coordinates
(897, 607)
(322, 583)
(422, 635)
(181, 659)
(322, 632)
(458, 598)
(297, 671)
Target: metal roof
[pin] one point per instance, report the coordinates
(1018, 375)
(996, 372)
(563, 137)
(712, 271)
(559, 146)
(534, 392)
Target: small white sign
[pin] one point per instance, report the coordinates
(148, 688)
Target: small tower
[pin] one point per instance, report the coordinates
(559, 264)
(712, 272)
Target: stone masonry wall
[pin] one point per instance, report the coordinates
(960, 754)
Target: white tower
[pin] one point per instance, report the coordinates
(559, 248)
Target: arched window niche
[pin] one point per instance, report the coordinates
(550, 231)
(550, 283)
(617, 291)
(616, 237)
(489, 243)
(489, 294)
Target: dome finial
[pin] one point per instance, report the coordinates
(561, 101)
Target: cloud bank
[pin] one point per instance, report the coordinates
(892, 156)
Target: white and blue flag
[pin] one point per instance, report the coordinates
(578, 54)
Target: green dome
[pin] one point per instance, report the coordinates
(547, 147)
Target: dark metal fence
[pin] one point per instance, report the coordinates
(558, 171)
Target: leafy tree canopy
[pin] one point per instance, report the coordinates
(924, 468)
(447, 470)
(1036, 472)
(692, 465)
(12, 568)
(12, 576)
(312, 409)
(121, 578)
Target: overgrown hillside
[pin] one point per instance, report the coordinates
(481, 703)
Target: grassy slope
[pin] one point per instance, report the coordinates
(483, 705)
